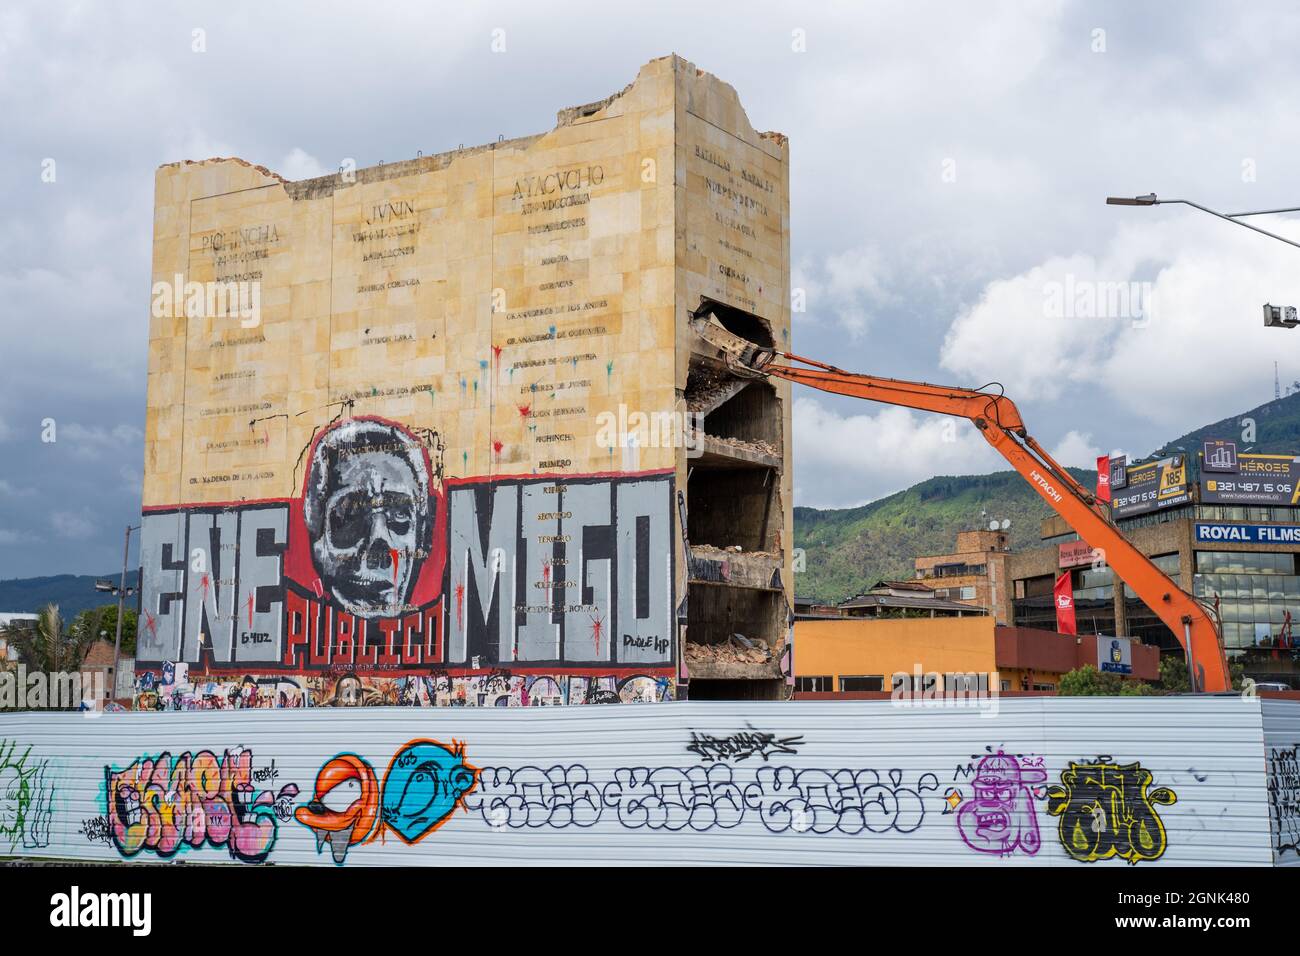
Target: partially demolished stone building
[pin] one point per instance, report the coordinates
(437, 432)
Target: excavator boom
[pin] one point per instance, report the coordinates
(999, 421)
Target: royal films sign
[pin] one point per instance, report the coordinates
(1211, 533)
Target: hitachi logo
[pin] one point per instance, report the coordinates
(1046, 486)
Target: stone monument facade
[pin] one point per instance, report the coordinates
(436, 432)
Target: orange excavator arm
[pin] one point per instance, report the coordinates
(999, 421)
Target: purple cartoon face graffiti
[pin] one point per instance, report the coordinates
(1000, 817)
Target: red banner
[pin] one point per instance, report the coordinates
(1103, 479)
(1063, 598)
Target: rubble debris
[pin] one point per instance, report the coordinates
(756, 445)
(730, 651)
(711, 551)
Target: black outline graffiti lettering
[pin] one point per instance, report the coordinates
(741, 745)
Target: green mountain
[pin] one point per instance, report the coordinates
(847, 550)
(71, 592)
(1276, 429)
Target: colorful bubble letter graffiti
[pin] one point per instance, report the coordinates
(167, 805)
(424, 784)
(1106, 811)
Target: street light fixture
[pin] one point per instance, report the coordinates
(1148, 200)
(1233, 217)
(1280, 316)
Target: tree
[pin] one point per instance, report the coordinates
(1173, 675)
(102, 621)
(1174, 680)
(1087, 681)
(47, 645)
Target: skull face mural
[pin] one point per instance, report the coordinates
(370, 514)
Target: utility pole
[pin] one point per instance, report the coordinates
(122, 591)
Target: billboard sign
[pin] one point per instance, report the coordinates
(1152, 486)
(1074, 554)
(1252, 480)
(1213, 533)
(1118, 473)
(1219, 456)
(1114, 655)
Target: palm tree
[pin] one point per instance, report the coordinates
(45, 644)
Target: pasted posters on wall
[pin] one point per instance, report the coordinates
(383, 568)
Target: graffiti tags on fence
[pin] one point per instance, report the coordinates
(1284, 797)
(1000, 816)
(702, 798)
(1105, 810)
(424, 784)
(741, 745)
(165, 805)
(26, 798)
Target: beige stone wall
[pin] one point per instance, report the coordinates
(515, 307)
(733, 201)
(502, 296)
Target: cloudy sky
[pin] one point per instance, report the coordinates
(949, 166)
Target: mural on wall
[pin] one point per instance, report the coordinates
(1106, 810)
(1284, 797)
(384, 568)
(1000, 816)
(424, 784)
(165, 804)
(26, 798)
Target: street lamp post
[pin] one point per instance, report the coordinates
(122, 592)
(1233, 217)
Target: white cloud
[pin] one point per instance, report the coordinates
(1166, 323)
(78, 525)
(850, 460)
(92, 441)
(1076, 450)
(849, 285)
(298, 164)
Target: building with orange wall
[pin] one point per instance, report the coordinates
(846, 655)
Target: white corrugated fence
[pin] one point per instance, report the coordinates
(1041, 782)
